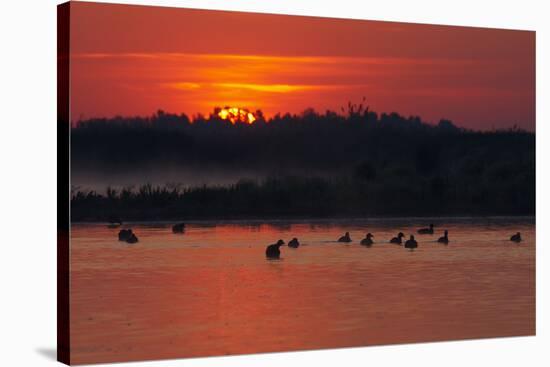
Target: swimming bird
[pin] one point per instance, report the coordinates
(411, 243)
(516, 237)
(345, 238)
(397, 240)
(127, 235)
(293, 243)
(132, 239)
(124, 234)
(178, 228)
(367, 241)
(445, 238)
(427, 230)
(273, 251)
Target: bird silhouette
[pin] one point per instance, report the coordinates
(132, 239)
(293, 243)
(367, 241)
(124, 234)
(273, 251)
(445, 238)
(516, 237)
(429, 230)
(127, 235)
(411, 243)
(345, 238)
(397, 240)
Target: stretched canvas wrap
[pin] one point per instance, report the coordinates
(235, 183)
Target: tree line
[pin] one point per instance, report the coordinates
(353, 163)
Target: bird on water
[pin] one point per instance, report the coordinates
(516, 237)
(273, 251)
(429, 230)
(345, 238)
(127, 235)
(367, 241)
(411, 243)
(397, 240)
(445, 238)
(293, 243)
(132, 239)
(124, 234)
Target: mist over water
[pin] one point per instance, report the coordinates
(171, 176)
(358, 163)
(158, 176)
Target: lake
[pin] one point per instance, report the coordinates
(211, 291)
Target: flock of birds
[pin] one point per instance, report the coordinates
(274, 251)
(128, 236)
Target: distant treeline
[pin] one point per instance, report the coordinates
(357, 163)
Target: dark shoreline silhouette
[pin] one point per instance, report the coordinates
(355, 164)
(237, 202)
(361, 142)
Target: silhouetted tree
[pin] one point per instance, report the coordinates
(310, 164)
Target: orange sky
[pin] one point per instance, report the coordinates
(133, 60)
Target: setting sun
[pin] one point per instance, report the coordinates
(235, 114)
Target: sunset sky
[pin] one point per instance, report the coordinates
(134, 60)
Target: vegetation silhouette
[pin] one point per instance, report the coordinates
(356, 163)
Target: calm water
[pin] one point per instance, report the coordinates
(211, 291)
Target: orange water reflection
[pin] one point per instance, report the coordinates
(211, 291)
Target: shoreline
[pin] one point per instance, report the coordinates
(317, 219)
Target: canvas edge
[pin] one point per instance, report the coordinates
(63, 184)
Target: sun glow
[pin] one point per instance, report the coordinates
(235, 114)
